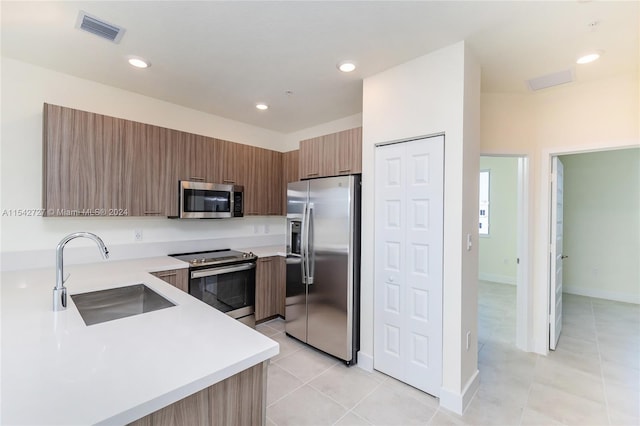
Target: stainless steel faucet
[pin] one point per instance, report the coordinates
(60, 291)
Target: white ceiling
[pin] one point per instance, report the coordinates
(223, 57)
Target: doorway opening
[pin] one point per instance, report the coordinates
(593, 259)
(503, 251)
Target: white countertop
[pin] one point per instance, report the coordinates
(56, 370)
(265, 251)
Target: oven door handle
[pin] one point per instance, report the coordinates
(224, 270)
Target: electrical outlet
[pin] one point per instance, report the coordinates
(266, 229)
(137, 234)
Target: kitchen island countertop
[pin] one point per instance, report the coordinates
(57, 370)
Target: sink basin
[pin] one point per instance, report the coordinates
(106, 305)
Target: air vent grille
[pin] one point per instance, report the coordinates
(550, 80)
(99, 27)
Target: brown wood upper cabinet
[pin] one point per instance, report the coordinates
(331, 155)
(263, 181)
(290, 173)
(87, 164)
(100, 165)
(230, 163)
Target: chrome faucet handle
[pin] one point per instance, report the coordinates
(59, 299)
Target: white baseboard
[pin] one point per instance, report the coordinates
(456, 402)
(497, 278)
(602, 294)
(365, 361)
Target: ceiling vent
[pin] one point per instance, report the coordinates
(99, 27)
(550, 80)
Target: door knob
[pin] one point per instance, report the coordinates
(563, 256)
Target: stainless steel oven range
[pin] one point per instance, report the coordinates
(224, 279)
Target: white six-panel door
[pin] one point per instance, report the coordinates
(557, 225)
(409, 188)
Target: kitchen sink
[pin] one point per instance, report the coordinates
(106, 305)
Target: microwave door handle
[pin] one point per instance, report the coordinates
(311, 254)
(303, 244)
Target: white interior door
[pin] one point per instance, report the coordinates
(409, 208)
(556, 256)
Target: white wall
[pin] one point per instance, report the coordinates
(602, 224)
(24, 90)
(572, 118)
(432, 94)
(498, 250)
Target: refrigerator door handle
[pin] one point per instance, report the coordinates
(303, 244)
(311, 254)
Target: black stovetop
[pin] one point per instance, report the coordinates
(214, 257)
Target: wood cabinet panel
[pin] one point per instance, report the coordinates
(194, 155)
(95, 163)
(56, 173)
(348, 151)
(87, 164)
(267, 291)
(176, 277)
(331, 155)
(281, 285)
(290, 173)
(263, 195)
(231, 163)
(236, 401)
(241, 399)
(310, 157)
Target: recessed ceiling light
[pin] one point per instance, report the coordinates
(588, 58)
(346, 66)
(138, 62)
(262, 106)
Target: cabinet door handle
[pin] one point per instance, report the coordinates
(313, 174)
(152, 213)
(228, 181)
(344, 171)
(198, 179)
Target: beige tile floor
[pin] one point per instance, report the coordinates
(593, 378)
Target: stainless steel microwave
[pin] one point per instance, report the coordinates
(201, 200)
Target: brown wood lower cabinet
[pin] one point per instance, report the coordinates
(176, 277)
(282, 284)
(269, 287)
(237, 401)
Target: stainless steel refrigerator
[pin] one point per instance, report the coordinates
(323, 264)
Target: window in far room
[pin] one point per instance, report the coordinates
(484, 202)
